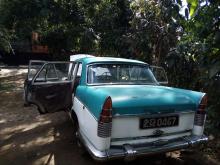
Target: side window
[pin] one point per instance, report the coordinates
(160, 74)
(34, 67)
(55, 72)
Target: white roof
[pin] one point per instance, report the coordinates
(79, 56)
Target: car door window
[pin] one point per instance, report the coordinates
(34, 67)
(55, 72)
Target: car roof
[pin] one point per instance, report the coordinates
(76, 57)
(89, 60)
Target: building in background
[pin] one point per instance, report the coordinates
(25, 50)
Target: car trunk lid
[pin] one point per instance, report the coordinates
(147, 99)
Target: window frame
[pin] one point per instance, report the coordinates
(118, 63)
(34, 82)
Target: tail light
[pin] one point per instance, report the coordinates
(203, 103)
(105, 120)
(200, 117)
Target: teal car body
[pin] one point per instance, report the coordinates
(138, 99)
(133, 99)
(117, 106)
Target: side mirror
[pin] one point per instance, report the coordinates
(160, 74)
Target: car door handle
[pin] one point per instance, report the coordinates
(51, 96)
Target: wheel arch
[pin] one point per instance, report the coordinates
(74, 119)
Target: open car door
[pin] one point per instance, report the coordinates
(160, 74)
(51, 86)
(33, 68)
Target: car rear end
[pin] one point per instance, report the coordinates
(138, 135)
(131, 115)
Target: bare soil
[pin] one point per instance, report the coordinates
(26, 137)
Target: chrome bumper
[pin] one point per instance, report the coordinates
(130, 152)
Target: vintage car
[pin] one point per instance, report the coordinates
(118, 107)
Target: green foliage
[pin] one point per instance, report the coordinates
(4, 41)
(195, 64)
(140, 29)
(60, 22)
(193, 6)
(156, 26)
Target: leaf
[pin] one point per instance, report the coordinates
(193, 6)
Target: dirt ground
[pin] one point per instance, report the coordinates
(29, 138)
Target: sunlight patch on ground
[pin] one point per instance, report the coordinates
(6, 147)
(47, 159)
(2, 121)
(12, 72)
(39, 141)
(12, 79)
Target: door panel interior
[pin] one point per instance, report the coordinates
(51, 87)
(52, 97)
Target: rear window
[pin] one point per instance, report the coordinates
(120, 74)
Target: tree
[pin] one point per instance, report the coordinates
(155, 29)
(5, 45)
(110, 21)
(59, 22)
(195, 63)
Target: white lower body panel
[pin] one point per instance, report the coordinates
(88, 126)
(126, 129)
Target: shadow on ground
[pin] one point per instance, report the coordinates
(29, 138)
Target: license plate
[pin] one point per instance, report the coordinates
(158, 122)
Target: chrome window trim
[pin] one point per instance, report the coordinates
(59, 82)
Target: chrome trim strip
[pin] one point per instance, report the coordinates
(128, 151)
(150, 136)
(199, 119)
(55, 82)
(104, 129)
(152, 115)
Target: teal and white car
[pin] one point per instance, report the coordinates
(118, 107)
